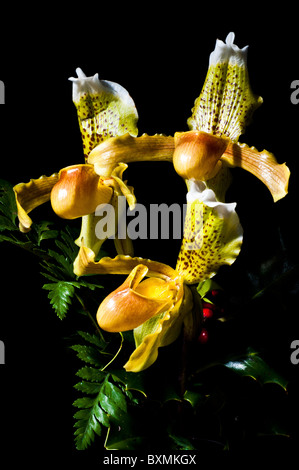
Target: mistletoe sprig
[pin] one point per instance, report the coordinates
(157, 306)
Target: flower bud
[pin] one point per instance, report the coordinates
(197, 154)
(78, 192)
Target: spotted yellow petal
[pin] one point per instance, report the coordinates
(212, 235)
(105, 109)
(226, 102)
(31, 195)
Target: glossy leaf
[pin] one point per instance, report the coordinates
(254, 366)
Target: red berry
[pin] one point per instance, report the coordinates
(203, 336)
(215, 292)
(207, 312)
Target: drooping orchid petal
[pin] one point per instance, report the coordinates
(129, 149)
(105, 109)
(226, 103)
(85, 264)
(263, 165)
(92, 238)
(31, 195)
(159, 331)
(212, 235)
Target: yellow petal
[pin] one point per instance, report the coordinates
(120, 187)
(129, 149)
(133, 303)
(31, 195)
(159, 331)
(85, 264)
(263, 165)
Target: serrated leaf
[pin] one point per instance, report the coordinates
(88, 354)
(92, 339)
(90, 418)
(91, 374)
(8, 205)
(60, 295)
(254, 366)
(64, 262)
(88, 387)
(6, 224)
(84, 402)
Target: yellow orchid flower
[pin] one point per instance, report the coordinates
(104, 109)
(157, 307)
(220, 115)
(202, 157)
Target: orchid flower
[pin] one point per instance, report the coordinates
(105, 109)
(156, 308)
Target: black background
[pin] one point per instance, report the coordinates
(160, 55)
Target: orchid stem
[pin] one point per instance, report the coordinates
(87, 312)
(192, 324)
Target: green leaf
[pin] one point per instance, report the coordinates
(108, 404)
(254, 366)
(206, 286)
(65, 263)
(181, 443)
(131, 380)
(91, 374)
(60, 295)
(88, 421)
(124, 436)
(112, 400)
(8, 205)
(196, 399)
(6, 224)
(88, 387)
(92, 339)
(88, 354)
(41, 231)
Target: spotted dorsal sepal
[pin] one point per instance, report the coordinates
(226, 102)
(105, 109)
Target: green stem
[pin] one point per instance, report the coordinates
(192, 324)
(90, 317)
